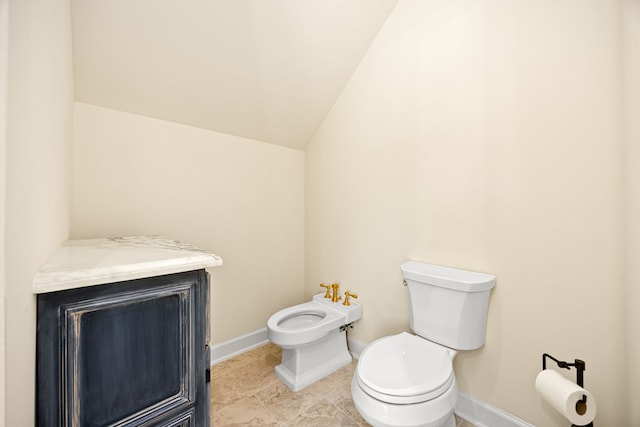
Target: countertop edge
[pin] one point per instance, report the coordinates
(89, 268)
(105, 278)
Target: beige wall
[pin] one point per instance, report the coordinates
(480, 135)
(37, 177)
(4, 56)
(485, 136)
(240, 198)
(631, 97)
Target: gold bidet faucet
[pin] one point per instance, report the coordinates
(335, 297)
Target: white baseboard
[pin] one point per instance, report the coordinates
(481, 414)
(226, 350)
(355, 348)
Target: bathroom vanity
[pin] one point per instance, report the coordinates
(123, 334)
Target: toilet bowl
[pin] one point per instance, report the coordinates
(407, 380)
(313, 340)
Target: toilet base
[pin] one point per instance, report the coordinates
(304, 365)
(437, 412)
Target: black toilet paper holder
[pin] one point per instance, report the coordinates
(580, 368)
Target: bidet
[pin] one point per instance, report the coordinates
(313, 339)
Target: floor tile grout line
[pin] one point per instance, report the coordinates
(272, 414)
(304, 410)
(267, 409)
(301, 412)
(346, 414)
(264, 407)
(343, 412)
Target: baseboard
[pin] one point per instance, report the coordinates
(226, 350)
(482, 414)
(355, 348)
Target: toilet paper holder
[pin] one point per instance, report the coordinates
(580, 368)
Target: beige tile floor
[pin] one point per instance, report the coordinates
(246, 392)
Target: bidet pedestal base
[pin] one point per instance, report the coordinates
(304, 365)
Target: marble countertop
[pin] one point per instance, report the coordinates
(81, 263)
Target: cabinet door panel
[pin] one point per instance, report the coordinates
(128, 353)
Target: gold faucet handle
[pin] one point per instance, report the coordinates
(346, 298)
(328, 288)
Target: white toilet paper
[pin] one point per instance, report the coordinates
(566, 397)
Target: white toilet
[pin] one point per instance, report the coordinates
(408, 380)
(313, 339)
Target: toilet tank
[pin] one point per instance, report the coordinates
(448, 306)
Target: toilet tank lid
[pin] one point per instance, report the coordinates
(446, 277)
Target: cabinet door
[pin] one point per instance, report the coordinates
(125, 354)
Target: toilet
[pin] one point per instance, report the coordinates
(313, 338)
(408, 380)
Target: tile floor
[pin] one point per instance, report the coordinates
(246, 392)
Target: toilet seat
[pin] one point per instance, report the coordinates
(404, 369)
(302, 324)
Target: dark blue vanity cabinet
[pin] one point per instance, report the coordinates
(132, 353)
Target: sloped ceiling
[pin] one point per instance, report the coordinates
(263, 69)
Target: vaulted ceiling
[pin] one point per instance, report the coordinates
(263, 69)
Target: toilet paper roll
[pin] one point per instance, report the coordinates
(566, 397)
